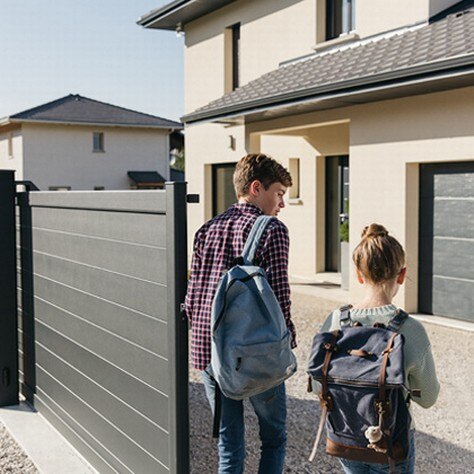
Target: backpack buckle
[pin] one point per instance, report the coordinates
(329, 346)
(326, 401)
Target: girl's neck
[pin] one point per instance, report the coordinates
(375, 296)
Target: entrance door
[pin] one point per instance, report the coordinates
(223, 193)
(337, 207)
(446, 240)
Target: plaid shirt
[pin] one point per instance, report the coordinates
(216, 244)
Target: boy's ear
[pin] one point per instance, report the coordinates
(255, 187)
(401, 276)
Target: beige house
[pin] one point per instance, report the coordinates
(76, 143)
(370, 105)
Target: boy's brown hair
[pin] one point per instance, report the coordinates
(379, 256)
(257, 166)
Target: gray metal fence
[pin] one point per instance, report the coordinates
(103, 344)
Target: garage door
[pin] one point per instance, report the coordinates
(446, 246)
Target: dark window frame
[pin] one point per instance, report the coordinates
(235, 56)
(339, 18)
(98, 142)
(215, 168)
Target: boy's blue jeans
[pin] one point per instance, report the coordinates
(270, 408)
(404, 467)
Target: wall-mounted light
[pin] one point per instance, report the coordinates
(179, 30)
(232, 142)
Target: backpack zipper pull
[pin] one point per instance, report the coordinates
(239, 363)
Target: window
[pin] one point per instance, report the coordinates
(223, 192)
(294, 192)
(10, 146)
(232, 57)
(98, 142)
(59, 188)
(339, 17)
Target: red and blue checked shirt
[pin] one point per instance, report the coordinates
(216, 245)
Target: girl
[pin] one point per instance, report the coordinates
(380, 266)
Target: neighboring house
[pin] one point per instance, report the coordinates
(79, 143)
(370, 105)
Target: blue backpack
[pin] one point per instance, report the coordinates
(363, 394)
(250, 343)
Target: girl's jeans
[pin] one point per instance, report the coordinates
(404, 467)
(270, 408)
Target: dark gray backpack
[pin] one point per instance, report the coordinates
(363, 394)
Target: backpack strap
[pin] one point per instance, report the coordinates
(254, 237)
(395, 323)
(345, 317)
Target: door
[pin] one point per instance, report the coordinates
(337, 208)
(446, 240)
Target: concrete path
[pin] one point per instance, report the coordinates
(46, 450)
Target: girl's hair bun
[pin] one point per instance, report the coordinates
(374, 230)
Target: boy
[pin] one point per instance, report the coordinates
(260, 184)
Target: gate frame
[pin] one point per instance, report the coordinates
(8, 292)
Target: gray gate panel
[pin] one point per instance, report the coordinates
(147, 263)
(92, 421)
(104, 288)
(123, 201)
(454, 218)
(152, 333)
(75, 435)
(147, 229)
(120, 289)
(145, 399)
(120, 415)
(453, 257)
(119, 352)
(453, 298)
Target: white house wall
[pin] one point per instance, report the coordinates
(386, 142)
(272, 31)
(61, 155)
(15, 160)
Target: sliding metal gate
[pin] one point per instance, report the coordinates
(103, 341)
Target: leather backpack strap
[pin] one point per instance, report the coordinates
(383, 369)
(331, 347)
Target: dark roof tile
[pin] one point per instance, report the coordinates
(420, 45)
(78, 109)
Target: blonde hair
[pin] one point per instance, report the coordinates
(257, 166)
(379, 256)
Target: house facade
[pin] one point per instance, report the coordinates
(76, 143)
(368, 103)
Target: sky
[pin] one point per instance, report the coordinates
(52, 48)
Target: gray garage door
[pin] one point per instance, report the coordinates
(446, 265)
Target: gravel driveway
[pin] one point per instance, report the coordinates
(445, 433)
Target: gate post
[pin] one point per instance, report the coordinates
(176, 230)
(8, 292)
(28, 382)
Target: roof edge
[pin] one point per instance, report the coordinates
(398, 75)
(91, 124)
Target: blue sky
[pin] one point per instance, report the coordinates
(51, 48)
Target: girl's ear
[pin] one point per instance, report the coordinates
(360, 277)
(401, 276)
